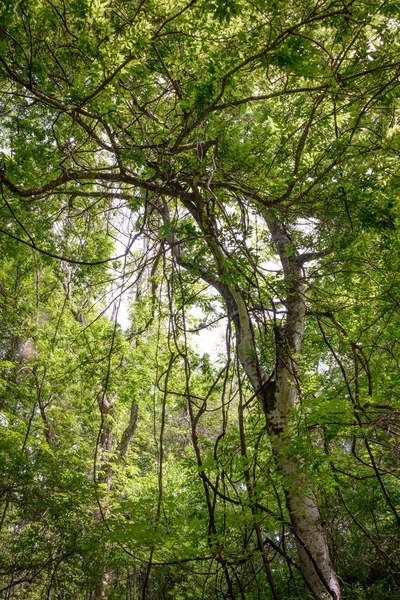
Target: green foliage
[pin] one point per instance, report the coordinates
(170, 168)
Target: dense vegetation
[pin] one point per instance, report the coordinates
(212, 165)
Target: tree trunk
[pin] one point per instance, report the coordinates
(104, 575)
(278, 397)
(307, 528)
(301, 502)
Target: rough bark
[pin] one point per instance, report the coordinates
(306, 521)
(104, 575)
(129, 431)
(278, 397)
(301, 501)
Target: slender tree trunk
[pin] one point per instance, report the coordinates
(104, 575)
(279, 397)
(300, 498)
(306, 520)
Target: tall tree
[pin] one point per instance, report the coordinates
(253, 147)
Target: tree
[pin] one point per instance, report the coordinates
(253, 148)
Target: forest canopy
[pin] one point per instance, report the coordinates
(170, 168)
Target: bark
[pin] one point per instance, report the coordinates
(278, 397)
(106, 406)
(306, 520)
(129, 431)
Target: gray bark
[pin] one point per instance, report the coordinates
(301, 501)
(306, 521)
(104, 575)
(129, 431)
(280, 397)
